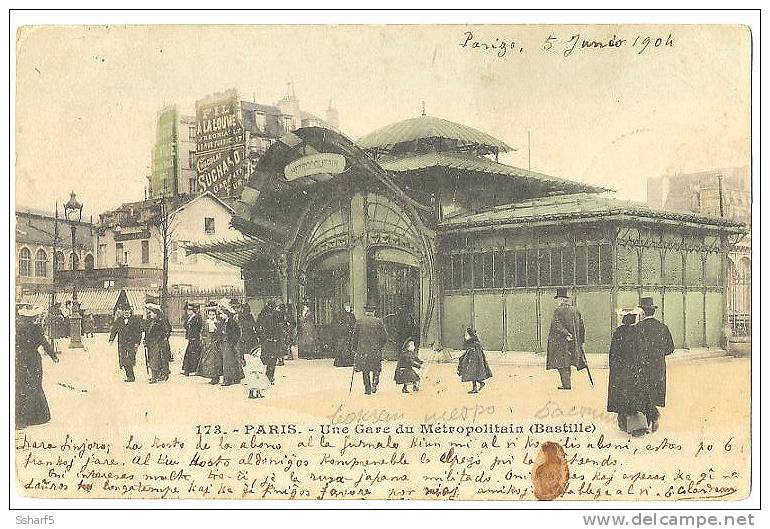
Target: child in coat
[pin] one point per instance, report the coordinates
(255, 375)
(407, 366)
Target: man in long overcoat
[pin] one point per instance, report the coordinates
(369, 338)
(128, 330)
(346, 326)
(655, 344)
(271, 334)
(565, 340)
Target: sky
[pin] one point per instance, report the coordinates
(87, 97)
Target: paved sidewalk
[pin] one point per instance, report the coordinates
(525, 358)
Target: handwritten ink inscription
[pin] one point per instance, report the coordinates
(567, 45)
(344, 458)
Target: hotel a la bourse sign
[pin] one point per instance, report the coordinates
(220, 142)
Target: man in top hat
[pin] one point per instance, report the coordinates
(655, 344)
(369, 337)
(565, 339)
(128, 329)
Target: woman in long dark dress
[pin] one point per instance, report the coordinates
(232, 355)
(473, 366)
(156, 341)
(210, 365)
(192, 330)
(31, 404)
(307, 338)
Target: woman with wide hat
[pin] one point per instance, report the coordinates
(31, 404)
(210, 364)
(232, 355)
(408, 363)
(192, 333)
(473, 366)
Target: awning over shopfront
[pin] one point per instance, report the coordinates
(238, 252)
(94, 301)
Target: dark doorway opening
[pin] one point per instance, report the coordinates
(395, 289)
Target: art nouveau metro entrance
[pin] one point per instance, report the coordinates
(394, 287)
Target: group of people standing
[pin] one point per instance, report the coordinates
(637, 360)
(155, 331)
(226, 344)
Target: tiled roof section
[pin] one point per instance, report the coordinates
(36, 228)
(579, 205)
(471, 163)
(427, 127)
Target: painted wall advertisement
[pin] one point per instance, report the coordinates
(220, 145)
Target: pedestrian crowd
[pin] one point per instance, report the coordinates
(227, 345)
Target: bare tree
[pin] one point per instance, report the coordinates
(164, 220)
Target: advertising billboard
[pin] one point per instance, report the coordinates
(220, 153)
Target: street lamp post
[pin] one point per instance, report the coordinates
(73, 210)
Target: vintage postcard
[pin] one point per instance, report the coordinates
(383, 262)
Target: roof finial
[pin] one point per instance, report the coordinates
(423, 108)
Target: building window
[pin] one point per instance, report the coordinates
(556, 267)
(89, 262)
(41, 263)
(532, 268)
(191, 159)
(499, 270)
(568, 265)
(510, 269)
(605, 264)
(260, 120)
(581, 268)
(58, 261)
(108, 283)
(25, 260)
(521, 268)
(74, 261)
(457, 272)
(145, 252)
(193, 185)
(119, 256)
(191, 133)
(478, 270)
(467, 271)
(208, 225)
(544, 258)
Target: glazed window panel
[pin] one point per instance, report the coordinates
(556, 267)
(544, 261)
(457, 272)
(581, 268)
(499, 270)
(568, 265)
(694, 276)
(510, 269)
(592, 264)
(605, 264)
(650, 267)
(25, 259)
(467, 271)
(627, 265)
(532, 275)
(672, 268)
(521, 268)
(478, 270)
(713, 270)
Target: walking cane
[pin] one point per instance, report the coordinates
(352, 375)
(582, 352)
